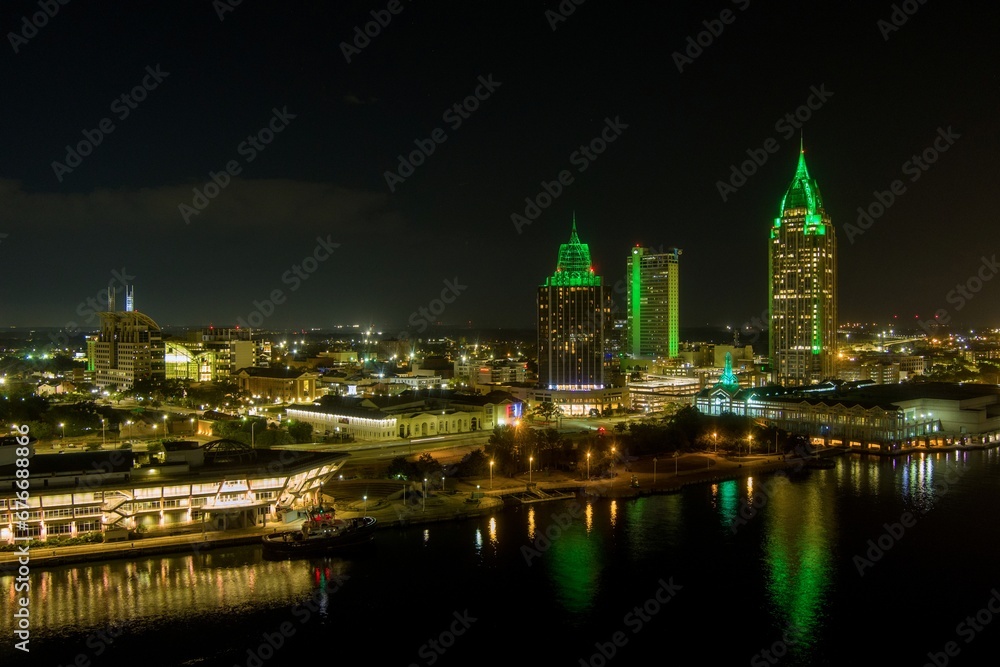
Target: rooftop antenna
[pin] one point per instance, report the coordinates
(130, 298)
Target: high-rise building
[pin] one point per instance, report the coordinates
(128, 348)
(652, 303)
(802, 289)
(573, 318)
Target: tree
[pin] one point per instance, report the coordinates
(474, 464)
(427, 466)
(301, 431)
(547, 410)
(502, 448)
(400, 468)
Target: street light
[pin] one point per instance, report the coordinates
(63, 427)
(530, 459)
(366, 505)
(491, 474)
(676, 457)
(749, 444)
(442, 483)
(103, 441)
(423, 507)
(588, 466)
(715, 443)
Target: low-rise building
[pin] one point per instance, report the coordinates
(882, 417)
(220, 485)
(279, 385)
(409, 415)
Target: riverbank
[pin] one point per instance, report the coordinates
(460, 499)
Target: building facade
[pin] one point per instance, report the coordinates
(196, 485)
(573, 315)
(433, 413)
(279, 385)
(878, 417)
(128, 348)
(802, 290)
(652, 283)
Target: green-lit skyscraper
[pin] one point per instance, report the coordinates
(802, 291)
(573, 317)
(652, 303)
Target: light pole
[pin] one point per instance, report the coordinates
(491, 475)
(103, 438)
(63, 427)
(588, 466)
(252, 441)
(715, 443)
(654, 470)
(366, 505)
(749, 444)
(530, 459)
(423, 499)
(676, 457)
(442, 484)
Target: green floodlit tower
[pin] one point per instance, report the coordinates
(573, 315)
(728, 379)
(802, 292)
(652, 303)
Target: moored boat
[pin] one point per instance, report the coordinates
(321, 533)
(821, 463)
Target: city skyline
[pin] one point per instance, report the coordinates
(212, 181)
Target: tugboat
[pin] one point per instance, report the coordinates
(321, 533)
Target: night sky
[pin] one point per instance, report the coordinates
(553, 84)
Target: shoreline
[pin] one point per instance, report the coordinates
(453, 505)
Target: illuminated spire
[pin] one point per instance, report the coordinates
(802, 192)
(573, 266)
(728, 379)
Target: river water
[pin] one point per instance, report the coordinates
(874, 562)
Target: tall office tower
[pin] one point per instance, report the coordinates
(652, 303)
(802, 292)
(574, 314)
(128, 348)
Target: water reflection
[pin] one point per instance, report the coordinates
(614, 512)
(800, 524)
(531, 523)
(63, 599)
(728, 501)
(576, 558)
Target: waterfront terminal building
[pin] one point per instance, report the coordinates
(868, 416)
(214, 486)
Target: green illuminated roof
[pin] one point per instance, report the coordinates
(803, 192)
(573, 267)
